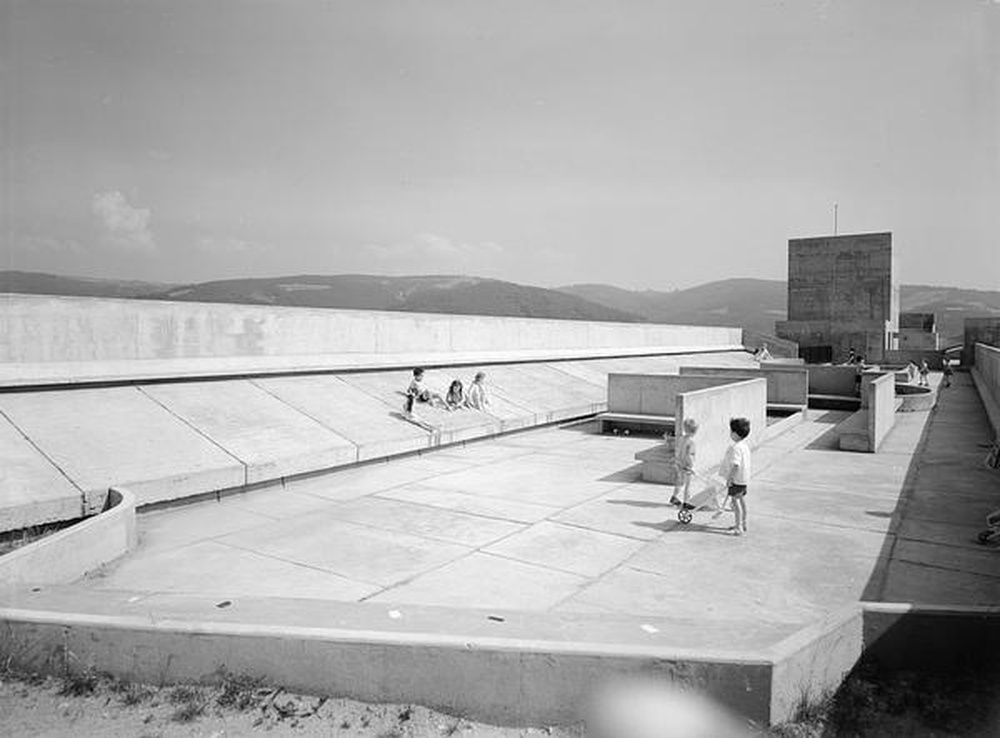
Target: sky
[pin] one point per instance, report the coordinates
(648, 144)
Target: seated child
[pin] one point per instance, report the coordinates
(455, 399)
(685, 455)
(416, 392)
(477, 398)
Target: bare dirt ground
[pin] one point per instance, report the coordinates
(87, 706)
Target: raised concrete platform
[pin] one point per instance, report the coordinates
(168, 441)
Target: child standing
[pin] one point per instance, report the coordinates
(685, 454)
(947, 373)
(924, 371)
(736, 468)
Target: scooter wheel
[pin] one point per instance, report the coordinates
(684, 516)
(984, 536)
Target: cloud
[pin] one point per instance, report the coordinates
(228, 246)
(123, 226)
(428, 252)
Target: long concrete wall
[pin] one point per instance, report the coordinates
(714, 407)
(986, 374)
(653, 394)
(881, 399)
(37, 328)
(787, 384)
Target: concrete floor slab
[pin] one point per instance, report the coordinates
(948, 534)
(175, 527)
(270, 437)
(361, 553)
(736, 600)
(426, 521)
(485, 581)
(920, 584)
(550, 485)
(491, 507)
(361, 481)
(566, 548)
(982, 561)
(217, 570)
(636, 510)
(32, 489)
(371, 423)
(102, 437)
(275, 502)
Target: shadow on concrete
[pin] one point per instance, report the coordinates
(876, 581)
(639, 503)
(675, 526)
(629, 474)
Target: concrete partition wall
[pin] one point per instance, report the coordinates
(787, 384)
(653, 394)
(880, 394)
(35, 328)
(986, 374)
(833, 380)
(713, 408)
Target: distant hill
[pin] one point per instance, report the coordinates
(38, 283)
(432, 294)
(754, 304)
(750, 303)
(757, 303)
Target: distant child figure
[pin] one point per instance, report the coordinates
(946, 382)
(455, 399)
(477, 397)
(924, 371)
(685, 463)
(736, 469)
(911, 372)
(416, 392)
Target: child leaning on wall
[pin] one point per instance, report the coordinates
(736, 468)
(685, 455)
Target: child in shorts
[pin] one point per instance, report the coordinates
(736, 469)
(685, 455)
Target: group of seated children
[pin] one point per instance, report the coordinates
(735, 469)
(457, 398)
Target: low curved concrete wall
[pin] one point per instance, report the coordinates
(71, 553)
(915, 398)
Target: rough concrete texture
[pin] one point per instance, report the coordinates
(712, 408)
(39, 328)
(841, 294)
(167, 441)
(834, 380)
(787, 384)
(979, 330)
(654, 394)
(270, 438)
(119, 436)
(880, 393)
(33, 491)
(68, 554)
(987, 377)
(544, 546)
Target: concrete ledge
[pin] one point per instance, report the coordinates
(778, 427)
(989, 402)
(50, 374)
(69, 554)
(496, 680)
(913, 398)
(635, 422)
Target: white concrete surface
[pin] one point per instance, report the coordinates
(120, 437)
(32, 489)
(271, 438)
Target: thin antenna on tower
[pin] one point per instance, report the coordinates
(835, 206)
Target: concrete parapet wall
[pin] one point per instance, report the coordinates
(499, 681)
(787, 384)
(69, 554)
(777, 347)
(713, 408)
(834, 380)
(933, 357)
(36, 328)
(653, 394)
(986, 374)
(881, 394)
